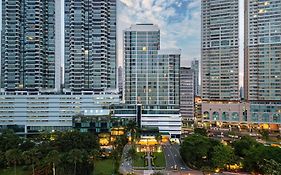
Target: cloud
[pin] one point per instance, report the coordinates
(178, 20)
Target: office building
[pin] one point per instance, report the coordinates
(195, 68)
(33, 111)
(262, 39)
(90, 45)
(151, 80)
(220, 51)
(198, 111)
(121, 81)
(187, 95)
(262, 50)
(30, 47)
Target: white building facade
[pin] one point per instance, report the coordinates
(36, 112)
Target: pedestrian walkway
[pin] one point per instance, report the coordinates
(149, 161)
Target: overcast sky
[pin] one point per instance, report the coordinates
(178, 20)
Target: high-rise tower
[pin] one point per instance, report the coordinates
(195, 68)
(90, 44)
(29, 55)
(262, 50)
(220, 51)
(152, 80)
(187, 94)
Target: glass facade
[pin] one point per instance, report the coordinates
(220, 51)
(263, 49)
(44, 111)
(152, 75)
(28, 44)
(196, 70)
(187, 94)
(90, 44)
(266, 112)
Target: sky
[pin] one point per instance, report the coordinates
(178, 20)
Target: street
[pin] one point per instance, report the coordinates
(126, 162)
(173, 159)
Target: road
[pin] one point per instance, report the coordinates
(126, 162)
(173, 158)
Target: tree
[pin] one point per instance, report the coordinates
(2, 159)
(158, 137)
(67, 141)
(9, 140)
(93, 156)
(31, 157)
(132, 128)
(132, 152)
(195, 150)
(201, 131)
(222, 155)
(271, 167)
(242, 146)
(52, 160)
(75, 156)
(265, 134)
(13, 157)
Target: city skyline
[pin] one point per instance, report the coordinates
(179, 21)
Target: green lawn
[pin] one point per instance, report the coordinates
(139, 160)
(11, 171)
(104, 167)
(159, 160)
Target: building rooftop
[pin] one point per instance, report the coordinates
(171, 51)
(143, 27)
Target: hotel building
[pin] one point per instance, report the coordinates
(152, 78)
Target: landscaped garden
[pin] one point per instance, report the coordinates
(20, 171)
(66, 153)
(104, 167)
(139, 160)
(159, 159)
(246, 154)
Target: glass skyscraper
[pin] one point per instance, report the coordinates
(28, 59)
(263, 50)
(152, 80)
(141, 45)
(152, 75)
(195, 68)
(220, 50)
(90, 44)
(187, 83)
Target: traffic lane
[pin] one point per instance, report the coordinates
(170, 162)
(173, 158)
(181, 165)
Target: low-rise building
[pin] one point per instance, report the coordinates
(33, 111)
(254, 114)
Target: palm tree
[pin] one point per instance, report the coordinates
(158, 137)
(131, 127)
(31, 157)
(75, 156)
(53, 159)
(93, 157)
(13, 157)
